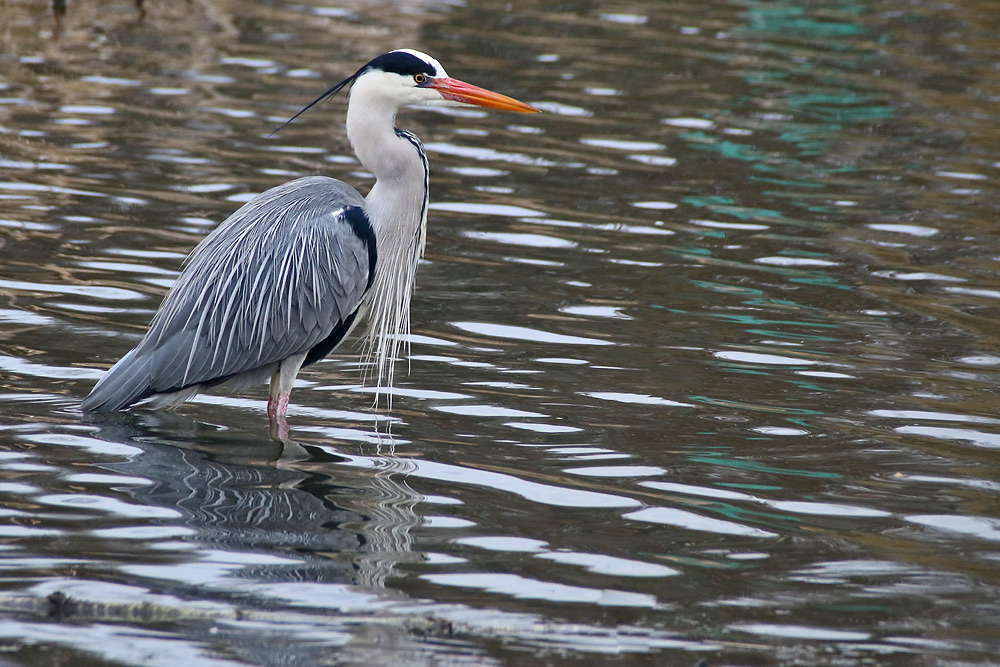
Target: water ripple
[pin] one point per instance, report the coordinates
(670, 516)
(525, 334)
(545, 494)
(533, 589)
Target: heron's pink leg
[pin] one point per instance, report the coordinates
(281, 391)
(277, 406)
(278, 427)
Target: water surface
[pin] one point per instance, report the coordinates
(704, 363)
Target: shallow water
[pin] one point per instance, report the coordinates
(704, 363)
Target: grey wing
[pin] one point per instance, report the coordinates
(283, 275)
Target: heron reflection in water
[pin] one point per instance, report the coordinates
(285, 279)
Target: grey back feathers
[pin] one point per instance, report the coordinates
(284, 274)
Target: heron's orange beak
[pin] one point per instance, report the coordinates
(459, 91)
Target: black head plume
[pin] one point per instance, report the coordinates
(322, 98)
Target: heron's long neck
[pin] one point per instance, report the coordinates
(397, 209)
(397, 203)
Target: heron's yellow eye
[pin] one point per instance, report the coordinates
(419, 78)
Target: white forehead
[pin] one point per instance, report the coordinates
(438, 69)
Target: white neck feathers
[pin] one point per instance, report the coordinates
(397, 210)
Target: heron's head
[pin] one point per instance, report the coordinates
(410, 78)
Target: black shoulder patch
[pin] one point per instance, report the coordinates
(356, 217)
(400, 62)
(327, 345)
(362, 227)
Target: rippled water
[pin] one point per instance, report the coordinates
(705, 357)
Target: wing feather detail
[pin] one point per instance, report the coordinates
(278, 277)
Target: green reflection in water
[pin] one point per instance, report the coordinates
(809, 386)
(782, 19)
(693, 251)
(751, 487)
(810, 103)
(725, 147)
(741, 515)
(832, 107)
(710, 200)
(760, 467)
(750, 319)
(796, 336)
(770, 302)
(788, 182)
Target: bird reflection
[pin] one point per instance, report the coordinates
(238, 491)
(389, 533)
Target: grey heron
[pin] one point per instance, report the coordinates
(281, 282)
